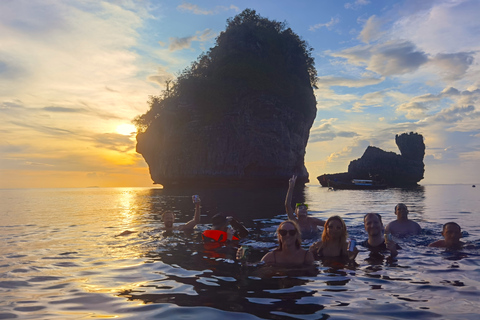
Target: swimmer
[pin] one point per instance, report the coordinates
(376, 241)
(169, 217)
(451, 233)
(402, 226)
(289, 252)
(230, 225)
(308, 225)
(334, 241)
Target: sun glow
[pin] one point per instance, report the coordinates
(126, 129)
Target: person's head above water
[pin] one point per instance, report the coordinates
(289, 231)
(168, 219)
(219, 222)
(401, 211)
(373, 224)
(334, 229)
(452, 233)
(301, 210)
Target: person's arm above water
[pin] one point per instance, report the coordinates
(288, 198)
(392, 247)
(317, 221)
(196, 218)
(387, 228)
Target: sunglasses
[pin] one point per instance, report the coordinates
(301, 205)
(283, 232)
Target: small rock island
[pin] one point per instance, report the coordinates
(239, 115)
(388, 168)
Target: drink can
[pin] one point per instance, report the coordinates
(195, 198)
(388, 237)
(245, 250)
(352, 245)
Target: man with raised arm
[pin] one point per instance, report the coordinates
(308, 225)
(402, 226)
(169, 218)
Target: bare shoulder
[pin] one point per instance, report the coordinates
(268, 258)
(437, 244)
(309, 259)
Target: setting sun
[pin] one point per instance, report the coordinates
(126, 129)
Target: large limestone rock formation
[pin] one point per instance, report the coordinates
(395, 170)
(240, 115)
(260, 141)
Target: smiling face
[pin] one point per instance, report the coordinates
(452, 234)
(334, 229)
(288, 234)
(301, 211)
(373, 225)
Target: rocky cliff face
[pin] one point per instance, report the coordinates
(395, 170)
(259, 141)
(241, 114)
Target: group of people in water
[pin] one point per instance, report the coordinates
(333, 242)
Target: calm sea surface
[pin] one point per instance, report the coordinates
(61, 257)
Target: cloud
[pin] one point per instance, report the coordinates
(161, 77)
(455, 114)
(356, 5)
(460, 104)
(195, 9)
(114, 141)
(327, 132)
(49, 130)
(329, 81)
(349, 152)
(328, 25)
(440, 26)
(453, 66)
(185, 42)
(371, 30)
(387, 59)
(64, 110)
(413, 110)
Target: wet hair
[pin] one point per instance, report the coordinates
(326, 235)
(374, 213)
(167, 212)
(453, 224)
(219, 220)
(298, 235)
(401, 205)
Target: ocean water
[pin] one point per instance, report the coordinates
(62, 257)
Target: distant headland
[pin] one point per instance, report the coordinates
(240, 114)
(386, 168)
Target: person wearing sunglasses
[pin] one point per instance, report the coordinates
(289, 252)
(308, 225)
(334, 241)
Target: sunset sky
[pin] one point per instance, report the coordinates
(73, 74)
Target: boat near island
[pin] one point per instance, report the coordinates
(356, 184)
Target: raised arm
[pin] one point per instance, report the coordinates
(196, 218)
(288, 198)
